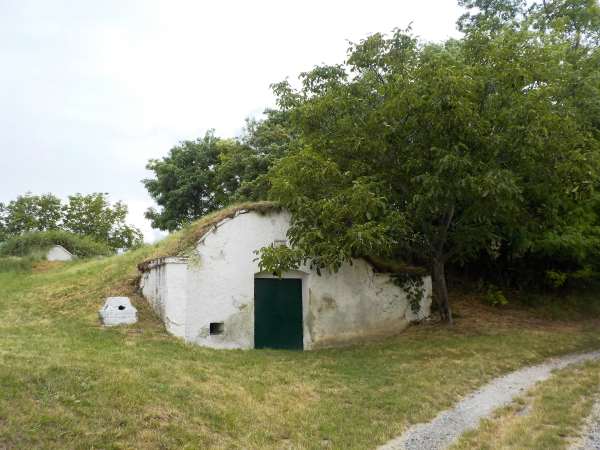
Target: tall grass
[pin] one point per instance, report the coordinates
(16, 264)
(66, 381)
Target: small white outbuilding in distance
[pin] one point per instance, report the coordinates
(217, 296)
(59, 253)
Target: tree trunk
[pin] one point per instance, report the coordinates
(440, 290)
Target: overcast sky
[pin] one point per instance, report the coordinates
(90, 90)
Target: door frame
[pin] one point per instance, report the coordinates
(294, 274)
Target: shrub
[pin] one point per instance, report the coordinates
(15, 264)
(38, 243)
(495, 297)
(555, 278)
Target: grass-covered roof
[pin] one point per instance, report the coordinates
(181, 242)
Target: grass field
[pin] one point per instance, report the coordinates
(66, 382)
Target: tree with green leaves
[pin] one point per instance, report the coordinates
(440, 151)
(85, 215)
(30, 212)
(92, 215)
(201, 176)
(185, 184)
(563, 245)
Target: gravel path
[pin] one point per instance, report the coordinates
(447, 427)
(590, 436)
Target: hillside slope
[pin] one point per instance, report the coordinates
(65, 381)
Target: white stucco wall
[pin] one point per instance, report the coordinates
(221, 279)
(356, 303)
(59, 253)
(217, 285)
(164, 286)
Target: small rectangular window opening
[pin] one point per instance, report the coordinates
(217, 328)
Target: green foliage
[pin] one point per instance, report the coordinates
(282, 258)
(323, 199)
(202, 176)
(186, 185)
(562, 254)
(556, 279)
(495, 296)
(93, 216)
(445, 150)
(85, 215)
(490, 15)
(30, 213)
(36, 244)
(414, 286)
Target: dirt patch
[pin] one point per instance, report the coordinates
(45, 266)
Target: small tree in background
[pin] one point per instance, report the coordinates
(185, 184)
(92, 215)
(85, 215)
(201, 176)
(31, 213)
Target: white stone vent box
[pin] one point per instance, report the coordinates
(118, 311)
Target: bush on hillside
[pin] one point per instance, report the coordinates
(15, 264)
(37, 244)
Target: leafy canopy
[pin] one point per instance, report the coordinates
(442, 150)
(93, 216)
(84, 215)
(201, 176)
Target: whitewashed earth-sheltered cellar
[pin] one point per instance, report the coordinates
(216, 296)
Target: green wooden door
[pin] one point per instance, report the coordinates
(278, 313)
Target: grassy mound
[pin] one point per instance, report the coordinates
(37, 244)
(63, 376)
